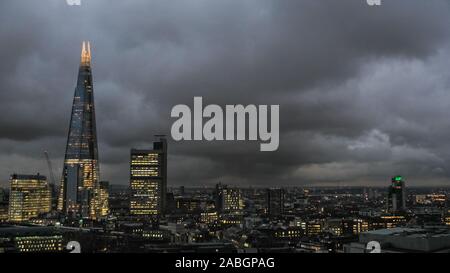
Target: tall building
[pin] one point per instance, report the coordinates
(3, 206)
(2, 195)
(30, 196)
(148, 180)
(228, 200)
(218, 197)
(101, 202)
(80, 178)
(396, 195)
(275, 202)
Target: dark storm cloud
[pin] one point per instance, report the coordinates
(363, 91)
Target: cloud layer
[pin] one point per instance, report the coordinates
(363, 91)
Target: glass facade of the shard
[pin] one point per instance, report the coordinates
(80, 179)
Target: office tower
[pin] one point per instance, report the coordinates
(218, 197)
(397, 195)
(148, 180)
(312, 228)
(228, 200)
(182, 190)
(188, 204)
(446, 217)
(54, 192)
(209, 217)
(101, 202)
(29, 197)
(354, 225)
(81, 171)
(3, 206)
(275, 202)
(170, 203)
(233, 201)
(4, 216)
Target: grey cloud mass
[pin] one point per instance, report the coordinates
(364, 92)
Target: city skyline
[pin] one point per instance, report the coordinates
(379, 106)
(224, 135)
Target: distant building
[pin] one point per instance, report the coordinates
(430, 199)
(101, 202)
(387, 221)
(396, 195)
(228, 200)
(312, 228)
(275, 202)
(119, 201)
(427, 215)
(288, 233)
(370, 212)
(188, 205)
(170, 203)
(4, 212)
(354, 226)
(148, 180)
(3, 206)
(54, 192)
(334, 226)
(446, 217)
(155, 235)
(232, 200)
(231, 219)
(209, 217)
(30, 196)
(218, 197)
(313, 247)
(2, 195)
(182, 190)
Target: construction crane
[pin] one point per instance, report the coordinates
(50, 169)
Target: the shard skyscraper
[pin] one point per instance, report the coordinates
(79, 196)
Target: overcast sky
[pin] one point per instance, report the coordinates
(364, 92)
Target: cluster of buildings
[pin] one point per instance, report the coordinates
(36, 215)
(227, 219)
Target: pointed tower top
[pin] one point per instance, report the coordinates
(86, 54)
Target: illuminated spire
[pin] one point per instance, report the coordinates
(86, 54)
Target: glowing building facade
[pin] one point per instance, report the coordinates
(396, 195)
(80, 187)
(148, 180)
(229, 200)
(30, 196)
(101, 201)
